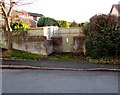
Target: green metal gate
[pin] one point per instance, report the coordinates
(67, 43)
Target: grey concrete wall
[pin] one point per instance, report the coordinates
(32, 44)
(38, 44)
(77, 45)
(74, 31)
(37, 31)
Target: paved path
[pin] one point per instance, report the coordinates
(60, 64)
(40, 81)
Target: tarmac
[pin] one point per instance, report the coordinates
(81, 65)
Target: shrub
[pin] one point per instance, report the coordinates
(81, 24)
(86, 28)
(103, 36)
(63, 23)
(46, 21)
(19, 26)
(73, 24)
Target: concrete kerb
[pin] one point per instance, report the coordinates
(61, 69)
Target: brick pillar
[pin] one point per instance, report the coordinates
(57, 44)
(78, 44)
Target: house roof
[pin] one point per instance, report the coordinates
(117, 7)
(35, 14)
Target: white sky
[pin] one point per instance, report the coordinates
(78, 10)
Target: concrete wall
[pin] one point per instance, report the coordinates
(35, 31)
(75, 31)
(35, 41)
(47, 31)
(78, 44)
(75, 43)
(32, 44)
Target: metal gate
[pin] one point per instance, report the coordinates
(67, 43)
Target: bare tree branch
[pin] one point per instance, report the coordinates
(21, 4)
(6, 12)
(3, 8)
(10, 9)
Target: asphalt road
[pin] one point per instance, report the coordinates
(42, 81)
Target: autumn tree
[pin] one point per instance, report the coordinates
(6, 7)
(63, 23)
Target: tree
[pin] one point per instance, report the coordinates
(74, 24)
(47, 21)
(6, 8)
(63, 23)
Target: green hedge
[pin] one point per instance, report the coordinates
(103, 36)
(46, 21)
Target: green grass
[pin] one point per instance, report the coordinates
(56, 56)
(23, 55)
(104, 60)
(62, 58)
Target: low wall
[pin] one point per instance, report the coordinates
(38, 44)
(32, 44)
(37, 31)
(74, 31)
(78, 44)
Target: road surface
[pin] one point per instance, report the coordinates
(42, 81)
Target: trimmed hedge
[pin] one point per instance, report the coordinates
(46, 21)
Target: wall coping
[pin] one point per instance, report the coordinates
(35, 28)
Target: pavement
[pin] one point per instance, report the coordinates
(82, 65)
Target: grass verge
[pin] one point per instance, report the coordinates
(104, 60)
(62, 58)
(22, 55)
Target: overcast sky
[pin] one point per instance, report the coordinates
(78, 10)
